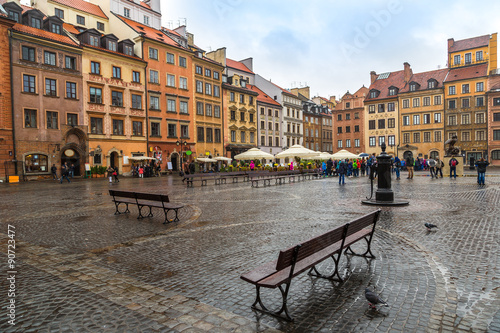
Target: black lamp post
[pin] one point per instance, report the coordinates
(182, 144)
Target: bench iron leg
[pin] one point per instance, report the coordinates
(367, 254)
(314, 272)
(282, 312)
(140, 212)
(117, 204)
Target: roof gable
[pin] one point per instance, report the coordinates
(83, 6)
(237, 65)
(466, 44)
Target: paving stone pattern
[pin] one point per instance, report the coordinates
(84, 269)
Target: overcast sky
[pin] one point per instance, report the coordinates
(333, 45)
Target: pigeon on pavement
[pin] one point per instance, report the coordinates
(374, 299)
(429, 226)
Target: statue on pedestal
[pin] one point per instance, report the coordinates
(452, 150)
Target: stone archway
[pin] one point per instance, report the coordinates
(114, 159)
(176, 161)
(75, 150)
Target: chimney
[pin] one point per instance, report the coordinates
(190, 38)
(407, 71)
(451, 41)
(373, 76)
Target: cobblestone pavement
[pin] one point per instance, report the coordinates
(80, 268)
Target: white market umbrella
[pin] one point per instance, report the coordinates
(297, 151)
(254, 154)
(320, 156)
(141, 158)
(222, 158)
(205, 160)
(342, 154)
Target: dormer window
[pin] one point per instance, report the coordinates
(94, 40)
(431, 84)
(243, 83)
(129, 50)
(111, 45)
(36, 23)
(374, 94)
(55, 28)
(13, 15)
(414, 86)
(393, 91)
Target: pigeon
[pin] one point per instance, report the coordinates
(373, 299)
(429, 226)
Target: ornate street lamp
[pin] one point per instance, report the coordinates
(182, 144)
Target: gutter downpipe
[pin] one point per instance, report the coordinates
(12, 106)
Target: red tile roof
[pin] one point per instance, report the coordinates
(112, 52)
(24, 7)
(44, 34)
(143, 4)
(465, 73)
(470, 43)
(71, 28)
(149, 32)
(263, 97)
(237, 65)
(84, 6)
(422, 79)
(395, 79)
(284, 90)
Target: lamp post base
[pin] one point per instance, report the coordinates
(374, 202)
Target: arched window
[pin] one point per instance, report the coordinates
(434, 154)
(35, 163)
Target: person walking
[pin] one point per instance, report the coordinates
(453, 167)
(397, 167)
(65, 172)
(72, 170)
(141, 172)
(409, 165)
(342, 170)
(109, 174)
(432, 167)
(481, 170)
(115, 174)
(53, 169)
(439, 167)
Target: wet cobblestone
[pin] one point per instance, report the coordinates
(83, 267)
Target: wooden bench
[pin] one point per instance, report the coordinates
(199, 176)
(305, 256)
(142, 200)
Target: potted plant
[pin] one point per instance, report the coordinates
(93, 171)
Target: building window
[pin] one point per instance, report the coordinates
(356, 143)
(381, 108)
(452, 104)
(348, 129)
(416, 102)
(55, 28)
(413, 87)
(28, 53)
(496, 135)
(452, 120)
(479, 56)
(170, 58)
(126, 12)
(95, 67)
(437, 136)
(339, 117)
(427, 118)
(465, 88)
(80, 20)
(242, 98)
(116, 98)
(171, 130)
(155, 129)
(183, 107)
(95, 125)
(391, 123)
(242, 116)
(199, 87)
(209, 135)
(71, 90)
(182, 62)
(100, 26)
(208, 72)
(437, 100)
(137, 128)
(406, 103)
(14, 16)
(216, 111)
(427, 101)
(217, 136)
(117, 72)
(233, 136)
(339, 143)
(406, 120)
(216, 91)
(199, 108)
(117, 127)
(468, 58)
(184, 131)
(198, 70)
(431, 84)
(427, 136)
(348, 143)
(392, 92)
(456, 59)
(406, 137)
(49, 58)
(356, 128)
(136, 77)
(30, 118)
(216, 75)
(170, 80)
(35, 163)
(70, 62)
(381, 123)
(465, 136)
(153, 53)
(480, 86)
(233, 115)
(154, 103)
(451, 90)
(465, 103)
(479, 101)
(372, 141)
(112, 45)
(153, 77)
(480, 118)
(381, 140)
(50, 87)
(391, 106)
(136, 102)
(29, 83)
(465, 119)
(416, 137)
(208, 89)
(208, 110)
(72, 119)
(94, 40)
(146, 20)
(183, 83)
(391, 140)
(243, 137)
(339, 130)
(52, 120)
(171, 105)
(480, 136)
(371, 109)
(36, 23)
(200, 134)
(416, 119)
(95, 95)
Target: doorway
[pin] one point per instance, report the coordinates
(113, 159)
(174, 159)
(71, 156)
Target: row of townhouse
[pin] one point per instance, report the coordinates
(418, 112)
